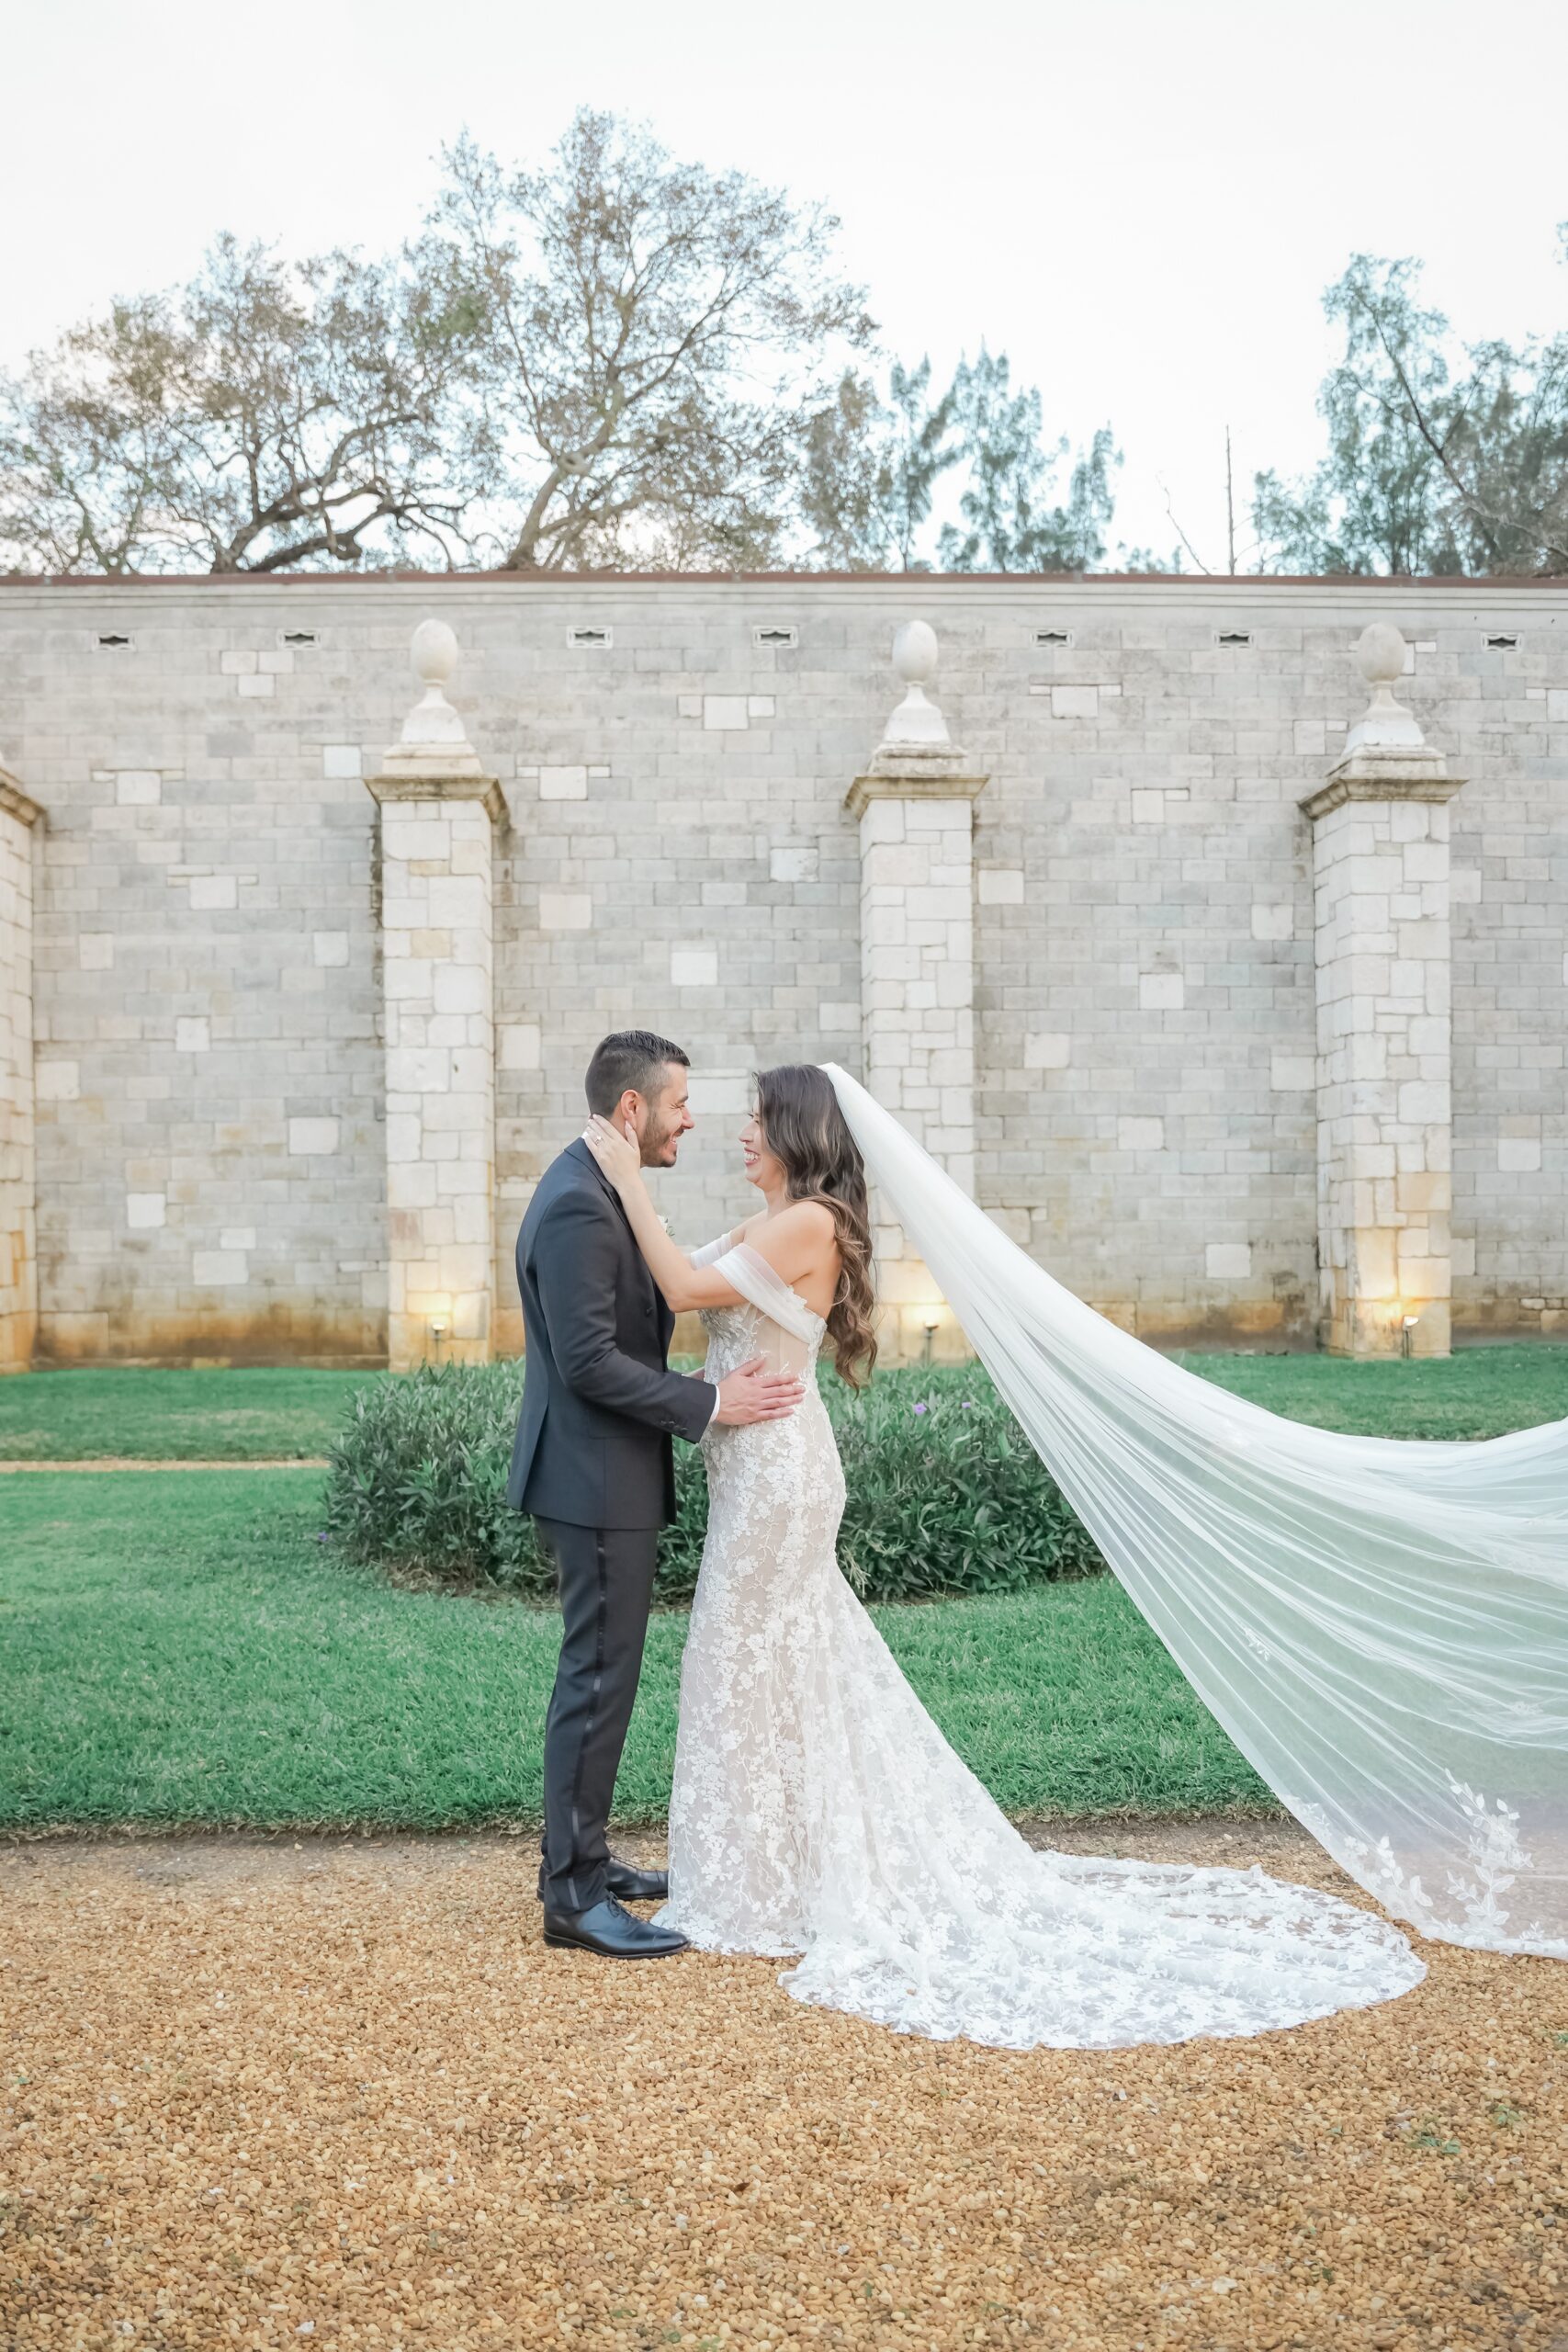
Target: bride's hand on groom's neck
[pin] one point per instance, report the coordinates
(619, 1154)
(621, 1160)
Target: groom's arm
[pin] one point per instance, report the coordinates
(574, 1266)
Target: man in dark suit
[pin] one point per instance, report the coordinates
(594, 1463)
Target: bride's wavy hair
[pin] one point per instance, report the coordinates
(805, 1130)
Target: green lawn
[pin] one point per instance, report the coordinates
(176, 1648)
(153, 1415)
(1480, 1392)
(257, 1414)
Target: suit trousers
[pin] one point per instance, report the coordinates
(605, 1577)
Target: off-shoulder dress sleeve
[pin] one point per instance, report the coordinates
(747, 1270)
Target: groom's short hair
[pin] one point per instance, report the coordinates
(633, 1059)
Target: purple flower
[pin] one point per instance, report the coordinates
(966, 1407)
(920, 1409)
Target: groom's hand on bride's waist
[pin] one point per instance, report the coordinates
(752, 1393)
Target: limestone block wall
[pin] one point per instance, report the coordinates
(918, 1032)
(211, 1170)
(1509, 895)
(440, 1076)
(1144, 961)
(1145, 942)
(917, 956)
(675, 755)
(439, 808)
(1385, 1111)
(678, 855)
(19, 1268)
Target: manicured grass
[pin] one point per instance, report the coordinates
(177, 1649)
(153, 1415)
(1480, 1392)
(244, 1416)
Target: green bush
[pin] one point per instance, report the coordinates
(945, 1495)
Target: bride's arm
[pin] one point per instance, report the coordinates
(684, 1285)
(793, 1242)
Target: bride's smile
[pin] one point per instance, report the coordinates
(762, 1168)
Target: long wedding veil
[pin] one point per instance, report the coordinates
(1380, 1625)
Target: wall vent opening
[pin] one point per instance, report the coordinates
(591, 636)
(1053, 637)
(1233, 637)
(770, 640)
(1503, 644)
(296, 637)
(110, 640)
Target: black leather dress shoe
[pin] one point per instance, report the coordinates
(628, 1884)
(614, 1934)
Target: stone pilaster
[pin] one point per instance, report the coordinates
(19, 1243)
(915, 804)
(438, 813)
(1385, 1131)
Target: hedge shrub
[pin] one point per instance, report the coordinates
(945, 1494)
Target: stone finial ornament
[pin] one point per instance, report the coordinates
(917, 758)
(1386, 756)
(917, 721)
(433, 757)
(434, 654)
(1385, 725)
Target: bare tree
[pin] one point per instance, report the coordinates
(264, 416)
(652, 334)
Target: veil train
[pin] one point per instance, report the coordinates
(1380, 1625)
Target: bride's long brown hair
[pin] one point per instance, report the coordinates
(804, 1129)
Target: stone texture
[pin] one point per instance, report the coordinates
(19, 1233)
(1162, 836)
(915, 803)
(438, 812)
(1384, 1063)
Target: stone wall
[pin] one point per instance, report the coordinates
(676, 756)
(19, 1268)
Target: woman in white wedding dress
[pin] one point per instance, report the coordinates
(817, 1813)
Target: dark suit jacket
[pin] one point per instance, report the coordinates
(600, 1404)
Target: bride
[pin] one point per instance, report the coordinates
(817, 1813)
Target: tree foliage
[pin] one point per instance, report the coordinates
(1009, 521)
(870, 470)
(873, 465)
(620, 359)
(262, 416)
(650, 337)
(1440, 459)
(609, 361)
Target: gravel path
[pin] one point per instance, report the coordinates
(260, 2095)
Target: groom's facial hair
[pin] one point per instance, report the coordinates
(665, 1119)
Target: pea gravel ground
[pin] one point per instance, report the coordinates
(338, 2093)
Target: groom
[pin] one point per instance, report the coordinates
(594, 1464)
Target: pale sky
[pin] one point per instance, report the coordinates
(1139, 201)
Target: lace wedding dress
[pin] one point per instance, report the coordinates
(1379, 1624)
(819, 1814)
